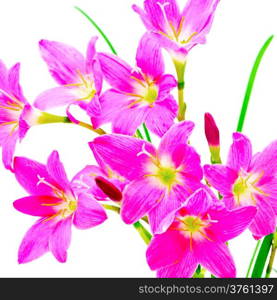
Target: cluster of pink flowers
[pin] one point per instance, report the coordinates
(165, 186)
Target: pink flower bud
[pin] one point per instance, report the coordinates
(211, 131)
(108, 188)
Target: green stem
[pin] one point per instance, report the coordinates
(262, 256)
(112, 208)
(97, 28)
(146, 133)
(252, 258)
(180, 70)
(250, 84)
(272, 255)
(139, 135)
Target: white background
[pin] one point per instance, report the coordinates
(215, 81)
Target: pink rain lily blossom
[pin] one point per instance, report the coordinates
(160, 179)
(198, 235)
(248, 180)
(177, 31)
(16, 115)
(80, 77)
(139, 95)
(58, 205)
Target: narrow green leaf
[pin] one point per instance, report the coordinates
(146, 133)
(250, 84)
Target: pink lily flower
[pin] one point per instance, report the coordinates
(248, 180)
(58, 205)
(176, 31)
(16, 114)
(139, 95)
(198, 235)
(80, 77)
(160, 179)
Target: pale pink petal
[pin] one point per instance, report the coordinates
(3, 76)
(144, 17)
(126, 155)
(165, 83)
(56, 170)
(178, 132)
(93, 108)
(36, 241)
(116, 72)
(14, 85)
(91, 53)
(264, 221)
(240, 153)
(140, 196)
(161, 117)
(199, 203)
(64, 62)
(55, 97)
(41, 206)
(89, 212)
(216, 258)
(149, 57)
(263, 160)
(226, 224)
(60, 239)
(165, 249)
(221, 178)
(8, 149)
(128, 120)
(30, 174)
(184, 268)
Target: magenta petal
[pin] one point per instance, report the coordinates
(56, 170)
(3, 76)
(117, 72)
(166, 83)
(140, 197)
(89, 212)
(14, 85)
(165, 249)
(63, 61)
(37, 205)
(199, 202)
(240, 153)
(128, 120)
(216, 258)
(183, 268)
(8, 149)
(123, 154)
(178, 132)
(229, 224)
(35, 242)
(264, 221)
(160, 117)
(29, 172)
(60, 239)
(221, 178)
(149, 57)
(59, 96)
(144, 17)
(91, 53)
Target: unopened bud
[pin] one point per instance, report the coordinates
(108, 188)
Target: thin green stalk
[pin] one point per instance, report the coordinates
(272, 255)
(252, 258)
(97, 28)
(146, 133)
(262, 257)
(250, 84)
(139, 135)
(112, 208)
(180, 71)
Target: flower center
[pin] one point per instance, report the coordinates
(151, 94)
(167, 175)
(245, 188)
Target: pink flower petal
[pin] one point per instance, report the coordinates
(221, 178)
(123, 154)
(8, 149)
(60, 239)
(117, 72)
(199, 202)
(29, 173)
(144, 17)
(14, 85)
(63, 61)
(37, 205)
(160, 117)
(59, 96)
(56, 170)
(165, 249)
(240, 153)
(3, 76)
(35, 242)
(178, 132)
(89, 212)
(149, 57)
(216, 258)
(165, 83)
(264, 221)
(140, 197)
(184, 268)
